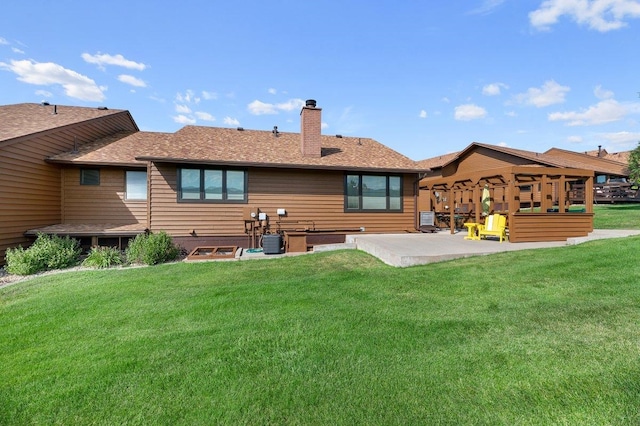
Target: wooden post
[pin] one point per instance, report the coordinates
(511, 199)
(588, 195)
(562, 194)
(544, 194)
(451, 202)
(477, 202)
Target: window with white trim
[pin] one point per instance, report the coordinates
(135, 185)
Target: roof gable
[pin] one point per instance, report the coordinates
(120, 149)
(20, 120)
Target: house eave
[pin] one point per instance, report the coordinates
(97, 163)
(279, 165)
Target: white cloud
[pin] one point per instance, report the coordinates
(183, 119)
(44, 93)
(606, 111)
(75, 85)
(272, 91)
(446, 100)
(503, 144)
(602, 94)
(511, 114)
(183, 109)
(205, 116)
(118, 60)
(133, 81)
(209, 95)
(291, 105)
(231, 121)
(16, 50)
(627, 140)
(599, 15)
(549, 94)
(261, 108)
(187, 97)
(493, 89)
(3, 41)
(574, 139)
(469, 112)
(423, 114)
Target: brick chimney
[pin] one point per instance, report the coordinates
(310, 124)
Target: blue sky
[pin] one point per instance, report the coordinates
(423, 77)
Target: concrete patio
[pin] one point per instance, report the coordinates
(418, 249)
(402, 250)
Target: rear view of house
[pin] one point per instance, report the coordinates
(217, 186)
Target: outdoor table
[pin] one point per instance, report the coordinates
(472, 231)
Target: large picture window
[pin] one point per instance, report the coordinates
(373, 193)
(212, 185)
(136, 185)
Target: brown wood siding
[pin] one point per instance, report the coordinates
(526, 227)
(315, 197)
(483, 160)
(30, 188)
(104, 203)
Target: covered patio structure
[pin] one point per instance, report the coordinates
(535, 198)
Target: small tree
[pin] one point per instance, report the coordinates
(634, 165)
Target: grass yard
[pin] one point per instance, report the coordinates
(549, 336)
(616, 216)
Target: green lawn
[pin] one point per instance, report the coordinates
(616, 216)
(548, 336)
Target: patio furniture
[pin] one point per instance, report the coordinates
(472, 230)
(495, 225)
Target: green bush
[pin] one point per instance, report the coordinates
(103, 257)
(22, 262)
(46, 253)
(152, 249)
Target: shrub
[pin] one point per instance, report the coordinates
(152, 249)
(47, 252)
(22, 262)
(103, 257)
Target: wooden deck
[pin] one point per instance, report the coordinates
(90, 230)
(92, 235)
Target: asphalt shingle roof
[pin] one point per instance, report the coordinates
(19, 120)
(119, 149)
(215, 145)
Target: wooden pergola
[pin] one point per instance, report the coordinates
(534, 198)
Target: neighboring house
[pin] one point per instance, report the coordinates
(222, 186)
(620, 157)
(611, 181)
(605, 166)
(31, 190)
(526, 186)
